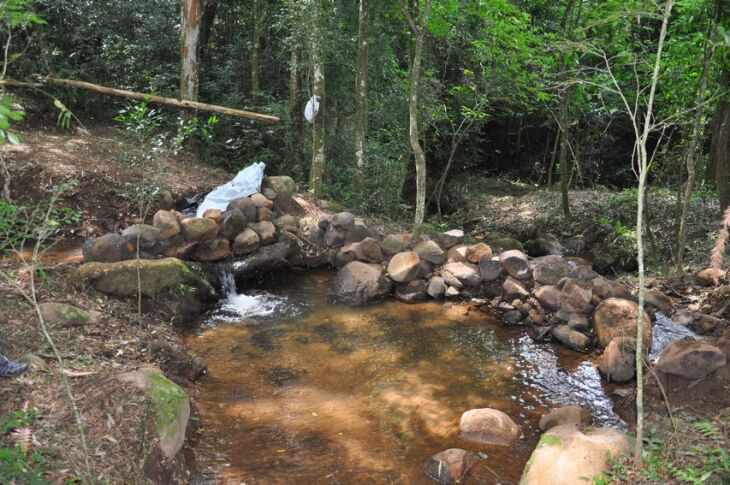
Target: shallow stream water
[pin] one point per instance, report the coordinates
(302, 389)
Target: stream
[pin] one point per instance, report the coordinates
(303, 389)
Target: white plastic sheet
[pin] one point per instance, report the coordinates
(246, 182)
(311, 109)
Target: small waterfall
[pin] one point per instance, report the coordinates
(228, 281)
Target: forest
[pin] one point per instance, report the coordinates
(365, 241)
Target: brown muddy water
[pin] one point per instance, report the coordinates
(302, 389)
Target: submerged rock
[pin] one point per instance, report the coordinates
(451, 466)
(488, 426)
(361, 282)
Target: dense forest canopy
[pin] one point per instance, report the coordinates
(522, 88)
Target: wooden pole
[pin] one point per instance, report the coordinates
(141, 97)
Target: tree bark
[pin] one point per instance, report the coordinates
(722, 164)
(563, 156)
(256, 48)
(417, 24)
(192, 13)
(692, 149)
(206, 29)
(361, 97)
(317, 170)
(296, 135)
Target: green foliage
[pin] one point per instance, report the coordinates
(20, 461)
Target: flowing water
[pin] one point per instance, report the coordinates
(304, 390)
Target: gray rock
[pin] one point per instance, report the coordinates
(232, 224)
(516, 264)
(467, 273)
(362, 282)
(691, 359)
(490, 269)
(451, 238)
(436, 287)
(246, 206)
(404, 267)
(548, 270)
(571, 338)
(430, 251)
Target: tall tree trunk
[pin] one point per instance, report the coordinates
(417, 24)
(551, 164)
(317, 170)
(695, 137)
(361, 97)
(256, 48)
(192, 13)
(722, 164)
(296, 134)
(563, 156)
(206, 29)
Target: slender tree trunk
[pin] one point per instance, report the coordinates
(317, 170)
(192, 13)
(715, 126)
(296, 134)
(206, 29)
(563, 157)
(551, 165)
(722, 164)
(256, 49)
(361, 97)
(695, 137)
(417, 25)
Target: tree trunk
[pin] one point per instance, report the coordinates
(256, 49)
(192, 13)
(361, 97)
(563, 156)
(551, 165)
(695, 137)
(317, 169)
(417, 25)
(206, 29)
(722, 164)
(296, 134)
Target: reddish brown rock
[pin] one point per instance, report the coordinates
(488, 426)
(616, 317)
(404, 267)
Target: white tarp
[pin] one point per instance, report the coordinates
(246, 182)
(311, 109)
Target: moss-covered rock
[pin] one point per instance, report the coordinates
(64, 314)
(155, 276)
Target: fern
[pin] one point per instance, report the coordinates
(708, 430)
(718, 252)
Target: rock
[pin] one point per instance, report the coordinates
(605, 263)
(34, 361)
(108, 248)
(361, 282)
(425, 269)
(436, 287)
(512, 288)
(449, 239)
(64, 315)
(567, 455)
(488, 426)
(571, 338)
(430, 251)
(367, 250)
(660, 301)
(264, 214)
(269, 193)
(246, 206)
(512, 317)
(490, 269)
(691, 359)
(451, 280)
(233, 223)
(342, 258)
(120, 278)
(260, 200)
(710, 277)
(359, 232)
(515, 262)
(549, 296)
(466, 273)
(265, 230)
(618, 361)
(246, 242)
(567, 415)
(583, 273)
(395, 243)
(538, 333)
(334, 238)
(287, 222)
(170, 404)
(616, 317)
(196, 229)
(549, 270)
(575, 297)
(451, 466)
(452, 292)
(215, 214)
(403, 267)
(343, 221)
(456, 254)
(415, 291)
(545, 245)
(167, 223)
(281, 184)
(578, 321)
(212, 250)
(477, 252)
(705, 324)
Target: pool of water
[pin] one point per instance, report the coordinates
(302, 389)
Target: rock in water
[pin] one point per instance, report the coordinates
(361, 282)
(618, 361)
(367, 250)
(566, 455)
(488, 426)
(616, 317)
(572, 415)
(415, 291)
(212, 250)
(451, 466)
(404, 267)
(571, 338)
(691, 359)
(516, 264)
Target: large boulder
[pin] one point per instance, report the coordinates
(120, 278)
(361, 282)
(567, 455)
(548, 270)
(451, 466)
(449, 239)
(572, 415)
(616, 317)
(167, 223)
(467, 273)
(575, 296)
(430, 251)
(246, 206)
(490, 269)
(488, 426)
(516, 264)
(211, 250)
(476, 252)
(404, 267)
(281, 184)
(64, 315)
(108, 248)
(233, 223)
(367, 250)
(395, 243)
(618, 361)
(691, 359)
(196, 229)
(148, 236)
